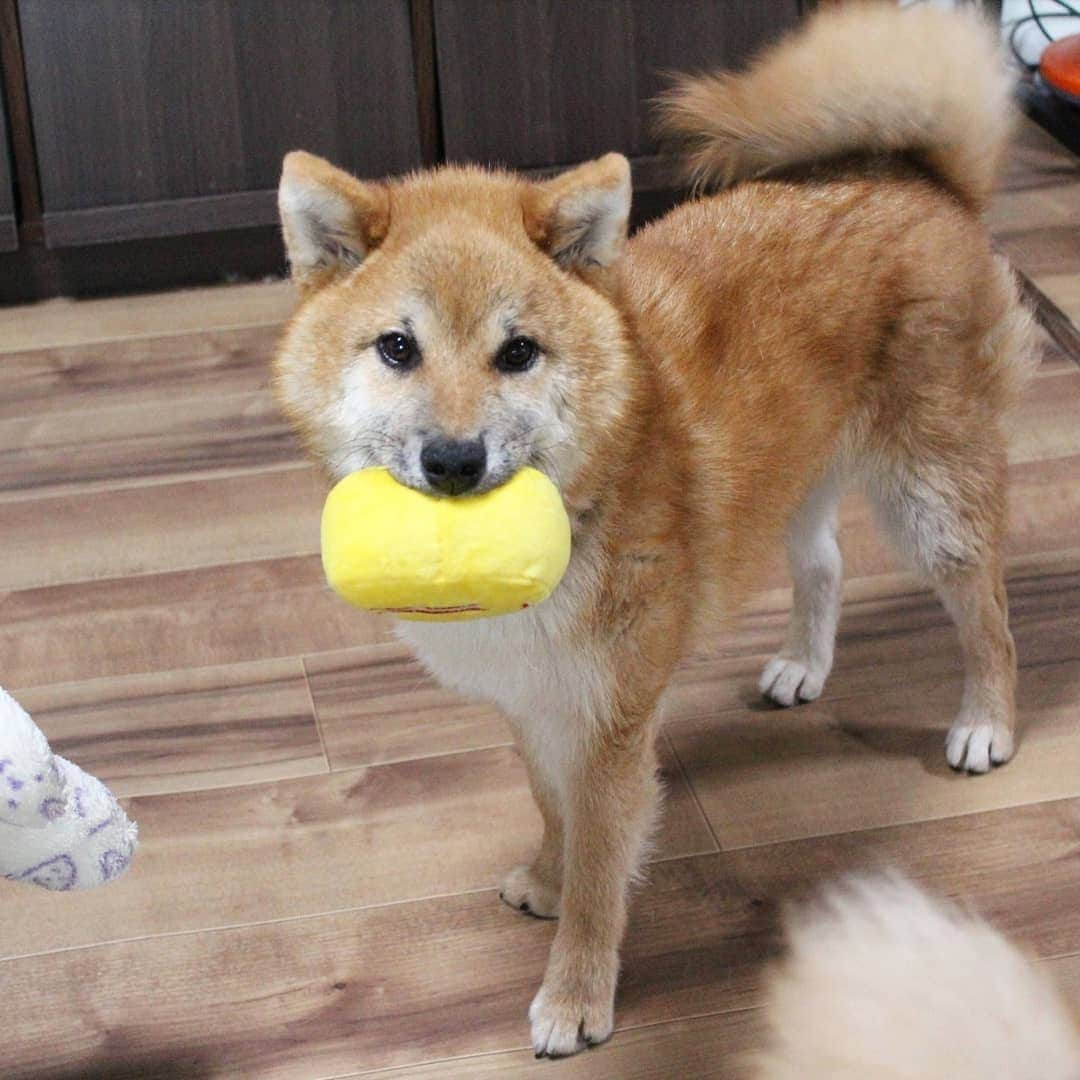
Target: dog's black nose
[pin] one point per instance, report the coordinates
(453, 465)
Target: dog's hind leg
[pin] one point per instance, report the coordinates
(983, 733)
(948, 518)
(798, 671)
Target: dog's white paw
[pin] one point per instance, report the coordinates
(788, 680)
(563, 1024)
(976, 746)
(524, 890)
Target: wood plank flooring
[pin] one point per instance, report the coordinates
(323, 827)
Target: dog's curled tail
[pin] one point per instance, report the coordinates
(882, 981)
(860, 79)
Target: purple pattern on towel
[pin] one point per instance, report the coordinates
(79, 808)
(4, 763)
(101, 825)
(51, 809)
(39, 777)
(113, 864)
(57, 873)
(13, 804)
(14, 784)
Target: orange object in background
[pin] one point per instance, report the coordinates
(1059, 67)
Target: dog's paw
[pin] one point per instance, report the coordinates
(525, 890)
(564, 1023)
(787, 680)
(974, 747)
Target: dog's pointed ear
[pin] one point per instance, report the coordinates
(580, 217)
(330, 219)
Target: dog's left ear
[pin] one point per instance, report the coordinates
(580, 217)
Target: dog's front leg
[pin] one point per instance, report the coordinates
(610, 797)
(536, 888)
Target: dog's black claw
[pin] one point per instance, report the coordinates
(524, 907)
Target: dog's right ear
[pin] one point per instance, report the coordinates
(330, 219)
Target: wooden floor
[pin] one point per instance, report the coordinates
(323, 828)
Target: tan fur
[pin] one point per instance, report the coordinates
(701, 393)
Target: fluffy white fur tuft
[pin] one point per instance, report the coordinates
(881, 981)
(865, 79)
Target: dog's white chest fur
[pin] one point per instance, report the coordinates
(549, 685)
(512, 661)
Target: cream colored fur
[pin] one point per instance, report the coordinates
(882, 982)
(932, 84)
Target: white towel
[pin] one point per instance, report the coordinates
(59, 827)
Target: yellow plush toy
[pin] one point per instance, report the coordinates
(389, 548)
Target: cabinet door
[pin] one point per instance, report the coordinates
(550, 82)
(9, 236)
(171, 117)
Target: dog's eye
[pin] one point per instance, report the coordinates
(398, 351)
(518, 354)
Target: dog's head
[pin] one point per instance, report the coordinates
(454, 325)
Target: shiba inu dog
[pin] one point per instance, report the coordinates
(698, 393)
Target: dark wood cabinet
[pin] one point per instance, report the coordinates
(9, 235)
(534, 82)
(160, 118)
(147, 135)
